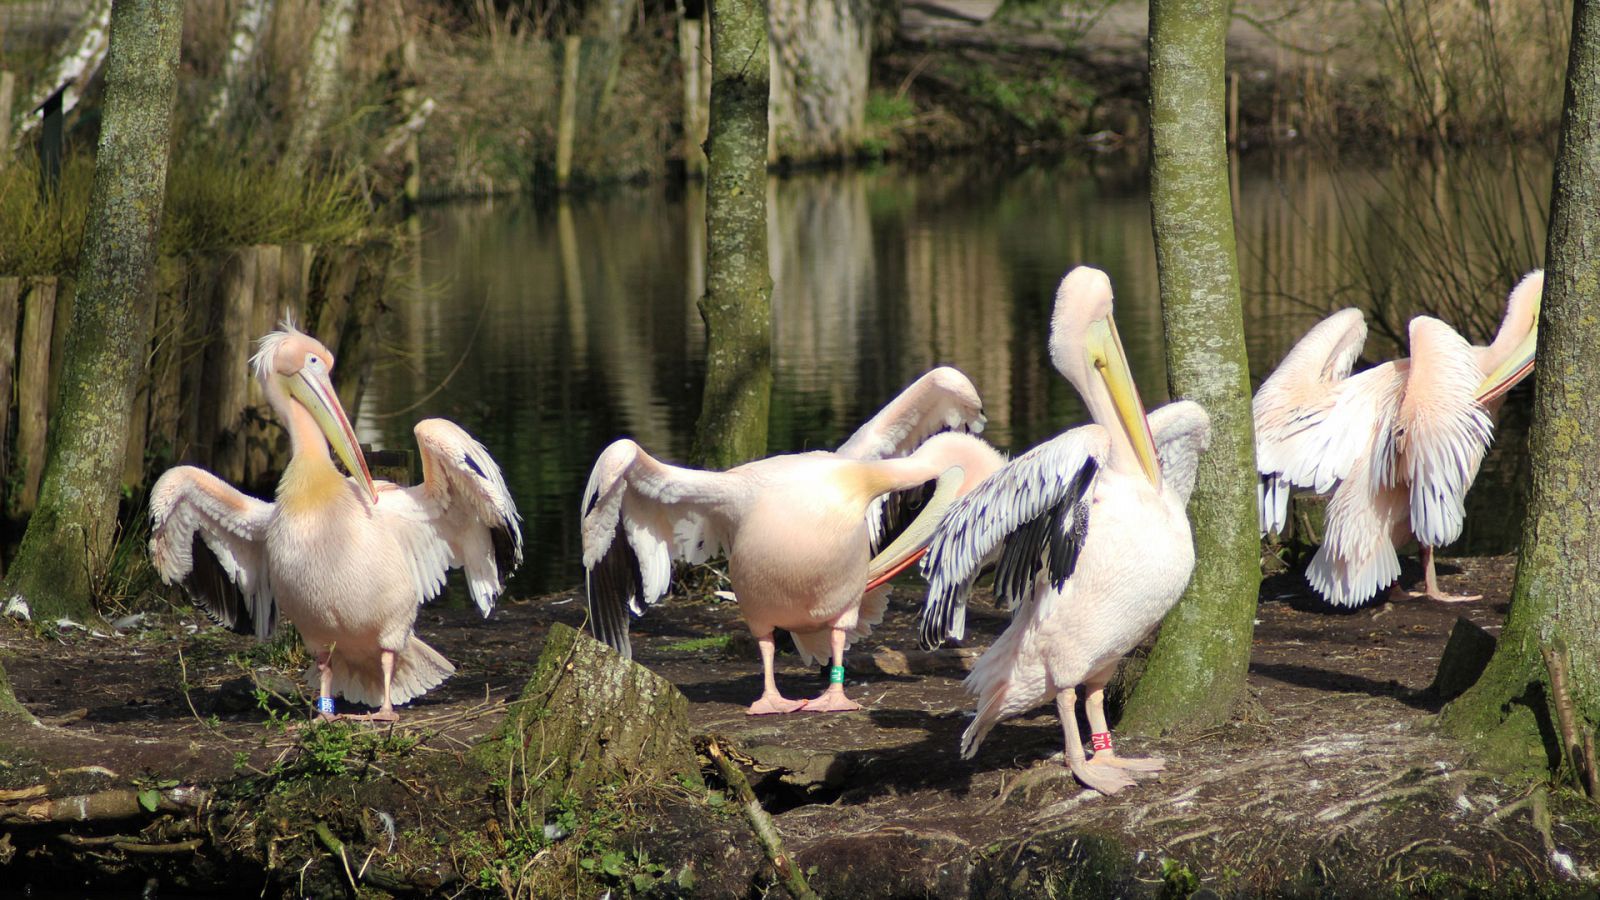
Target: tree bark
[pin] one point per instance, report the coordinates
(10, 709)
(66, 547)
(821, 52)
(76, 62)
(737, 307)
(604, 27)
(322, 82)
(1509, 711)
(248, 27)
(1197, 671)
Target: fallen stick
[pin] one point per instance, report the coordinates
(794, 881)
(103, 806)
(378, 877)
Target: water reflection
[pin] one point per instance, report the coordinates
(549, 330)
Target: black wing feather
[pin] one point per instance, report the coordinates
(209, 586)
(613, 585)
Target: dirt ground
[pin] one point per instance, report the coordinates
(1331, 783)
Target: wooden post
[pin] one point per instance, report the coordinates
(139, 415)
(567, 124)
(33, 390)
(227, 365)
(333, 278)
(8, 97)
(260, 432)
(358, 341)
(1233, 109)
(10, 293)
(169, 346)
(694, 154)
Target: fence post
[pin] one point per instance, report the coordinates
(567, 125)
(8, 99)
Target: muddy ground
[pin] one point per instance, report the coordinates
(1330, 783)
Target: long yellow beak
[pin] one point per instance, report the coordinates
(913, 542)
(1104, 347)
(315, 392)
(1514, 369)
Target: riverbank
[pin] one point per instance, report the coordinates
(1329, 783)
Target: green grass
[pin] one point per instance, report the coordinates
(215, 201)
(698, 645)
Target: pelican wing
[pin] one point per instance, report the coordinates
(1183, 432)
(1292, 411)
(461, 514)
(1031, 515)
(638, 515)
(1443, 432)
(942, 400)
(211, 538)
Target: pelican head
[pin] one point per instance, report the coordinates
(1513, 348)
(1085, 347)
(299, 365)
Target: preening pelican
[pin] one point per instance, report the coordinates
(1398, 445)
(795, 528)
(1091, 538)
(346, 560)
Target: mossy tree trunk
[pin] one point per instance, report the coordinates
(1197, 671)
(75, 62)
(246, 31)
(1558, 567)
(737, 307)
(66, 548)
(10, 709)
(322, 82)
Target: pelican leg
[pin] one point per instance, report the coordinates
(325, 684)
(833, 699)
(1430, 582)
(771, 701)
(386, 712)
(1105, 779)
(1100, 734)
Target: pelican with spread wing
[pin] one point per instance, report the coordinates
(1397, 445)
(798, 529)
(1090, 538)
(346, 560)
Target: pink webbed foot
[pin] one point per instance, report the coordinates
(832, 700)
(774, 704)
(1106, 779)
(1442, 597)
(1135, 764)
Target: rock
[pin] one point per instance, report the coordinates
(587, 716)
(1465, 656)
(953, 661)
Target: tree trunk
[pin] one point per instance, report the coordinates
(821, 58)
(323, 71)
(1197, 670)
(1508, 711)
(737, 307)
(244, 35)
(66, 547)
(10, 709)
(76, 62)
(604, 27)
(587, 716)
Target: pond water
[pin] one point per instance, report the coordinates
(549, 330)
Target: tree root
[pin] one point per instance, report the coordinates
(766, 831)
(104, 806)
(1577, 752)
(376, 876)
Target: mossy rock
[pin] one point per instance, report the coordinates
(588, 717)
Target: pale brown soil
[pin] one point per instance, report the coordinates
(1329, 783)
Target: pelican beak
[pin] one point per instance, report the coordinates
(315, 392)
(1110, 361)
(1514, 369)
(913, 542)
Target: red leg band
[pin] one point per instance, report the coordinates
(1100, 740)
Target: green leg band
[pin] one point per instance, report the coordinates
(836, 674)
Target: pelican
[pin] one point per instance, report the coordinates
(795, 528)
(346, 560)
(1398, 445)
(1091, 538)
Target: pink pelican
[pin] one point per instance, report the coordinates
(795, 528)
(346, 560)
(1091, 538)
(1398, 445)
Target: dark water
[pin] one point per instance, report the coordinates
(550, 330)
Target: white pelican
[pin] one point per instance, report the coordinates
(1091, 538)
(1398, 445)
(795, 528)
(346, 560)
